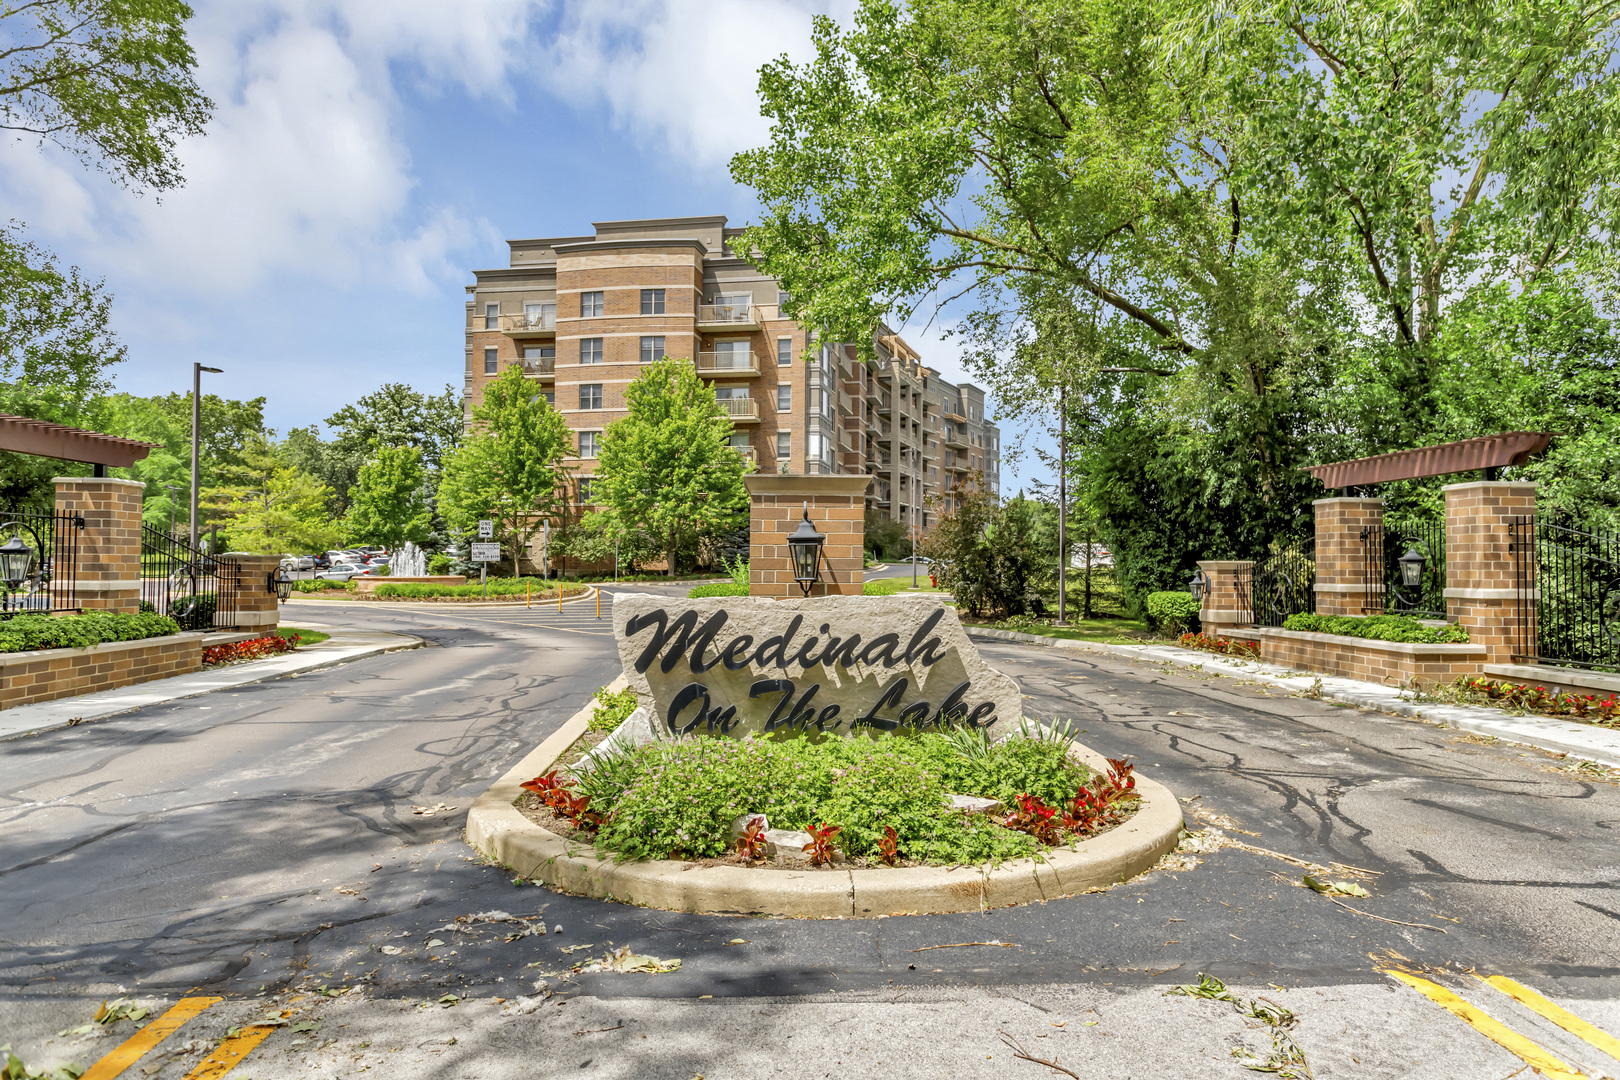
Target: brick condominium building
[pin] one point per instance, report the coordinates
(581, 314)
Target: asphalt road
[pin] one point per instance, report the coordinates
(265, 840)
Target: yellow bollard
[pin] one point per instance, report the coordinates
(528, 583)
(598, 603)
(559, 596)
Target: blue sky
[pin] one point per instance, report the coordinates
(366, 155)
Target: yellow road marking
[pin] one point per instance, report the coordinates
(229, 1054)
(1532, 1053)
(1557, 1014)
(131, 1049)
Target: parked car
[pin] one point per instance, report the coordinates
(298, 562)
(343, 572)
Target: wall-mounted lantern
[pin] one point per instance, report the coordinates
(281, 583)
(1411, 569)
(1198, 585)
(16, 562)
(804, 547)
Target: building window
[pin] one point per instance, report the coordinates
(588, 443)
(652, 348)
(590, 395)
(491, 363)
(587, 489)
(590, 305)
(492, 316)
(784, 444)
(784, 351)
(590, 350)
(551, 398)
(652, 301)
(784, 397)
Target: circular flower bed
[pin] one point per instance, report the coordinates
(865, 801)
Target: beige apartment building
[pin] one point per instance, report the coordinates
(581, 314)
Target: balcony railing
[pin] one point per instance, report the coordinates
(741, 410)
(540, 367)
(728, 363)
(955, 440)
(739, 316)
(531, 322)
(747, 452)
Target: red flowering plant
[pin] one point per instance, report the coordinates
(1103, 803)
(889, 846)
(820, 845)
(751, 844)
(253, 649)
(1225, 645)
(1587, 708)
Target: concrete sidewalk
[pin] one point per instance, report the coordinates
(1588, 741)
(342, 647)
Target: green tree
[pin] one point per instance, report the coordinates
(108, 80)
(232, 432)
(667, 469)
(285, 513)
(509, 468)
(397, 415)
(387, 506)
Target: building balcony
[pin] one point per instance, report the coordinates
(725, 317)
(741, 410)
(532, 324)
(949, 412)
(727, 363)
(748, 454)
(544, 369)
(955, 441)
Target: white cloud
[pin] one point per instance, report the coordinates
(302, 169)
(682, 73)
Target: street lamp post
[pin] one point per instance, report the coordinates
(1063, 508)
(196, 432)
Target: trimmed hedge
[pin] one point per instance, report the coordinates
(731, 588)
(24, 633)
(1401, 628)
(536, 588)
(1172, 612)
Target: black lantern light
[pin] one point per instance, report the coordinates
(1198, 585)
(804, 546)
(16, 562)
(281, 583)
(1411, 569)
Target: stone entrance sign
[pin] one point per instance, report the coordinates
(842, 664)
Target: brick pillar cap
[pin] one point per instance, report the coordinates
(1361, 499)
(1521, 484)
(116, 481)
(851, 485)
(1225, 564)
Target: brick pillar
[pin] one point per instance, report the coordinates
(257, 607)
(1480, 587)
(1226, 606)
(1341, 570)
(837, 508)
(109, 546)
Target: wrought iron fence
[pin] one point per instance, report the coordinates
(1283, 583)
(195, 589)
(1382, 551)
(1567, 589)
(47, 572)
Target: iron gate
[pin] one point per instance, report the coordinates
(1283, 583)
(1567, 590)
(195, 589)
(1382, 550)
(50, 583)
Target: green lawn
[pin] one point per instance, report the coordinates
(1105, 631)
(306, 637)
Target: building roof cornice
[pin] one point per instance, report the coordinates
(631, 242)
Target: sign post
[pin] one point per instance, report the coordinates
(483, 555)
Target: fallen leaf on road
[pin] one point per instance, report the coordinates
(392, 950)
(349, 892)
(304, 1026)
(435, 943)
(623, 960)
(575, 948)
(738, 941)
(1335, 888)
(429, 811)
(965, 944)
(449, 1000)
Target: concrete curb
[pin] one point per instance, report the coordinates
(1549, 733)
(25, 720)
(498, 830)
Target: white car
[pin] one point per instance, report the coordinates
(343, 572)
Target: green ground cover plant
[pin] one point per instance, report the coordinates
(1402, 628)
(536, 588)
(611, 708)
(881, 587)
(884, 797)
(323, 585)
(22, 633)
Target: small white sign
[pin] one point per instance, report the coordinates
(486, 529)
(486, 553)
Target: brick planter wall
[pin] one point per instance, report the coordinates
(1390, 663)
(46, 674)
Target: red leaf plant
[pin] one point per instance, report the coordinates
(1036, 818)
(820, 845)
(751, 844)
(252, 649)
(889, 846)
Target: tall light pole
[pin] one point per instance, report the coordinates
(196, 435)
(916, 494)
(1063, 507)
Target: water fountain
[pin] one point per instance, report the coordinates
(408, 561)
